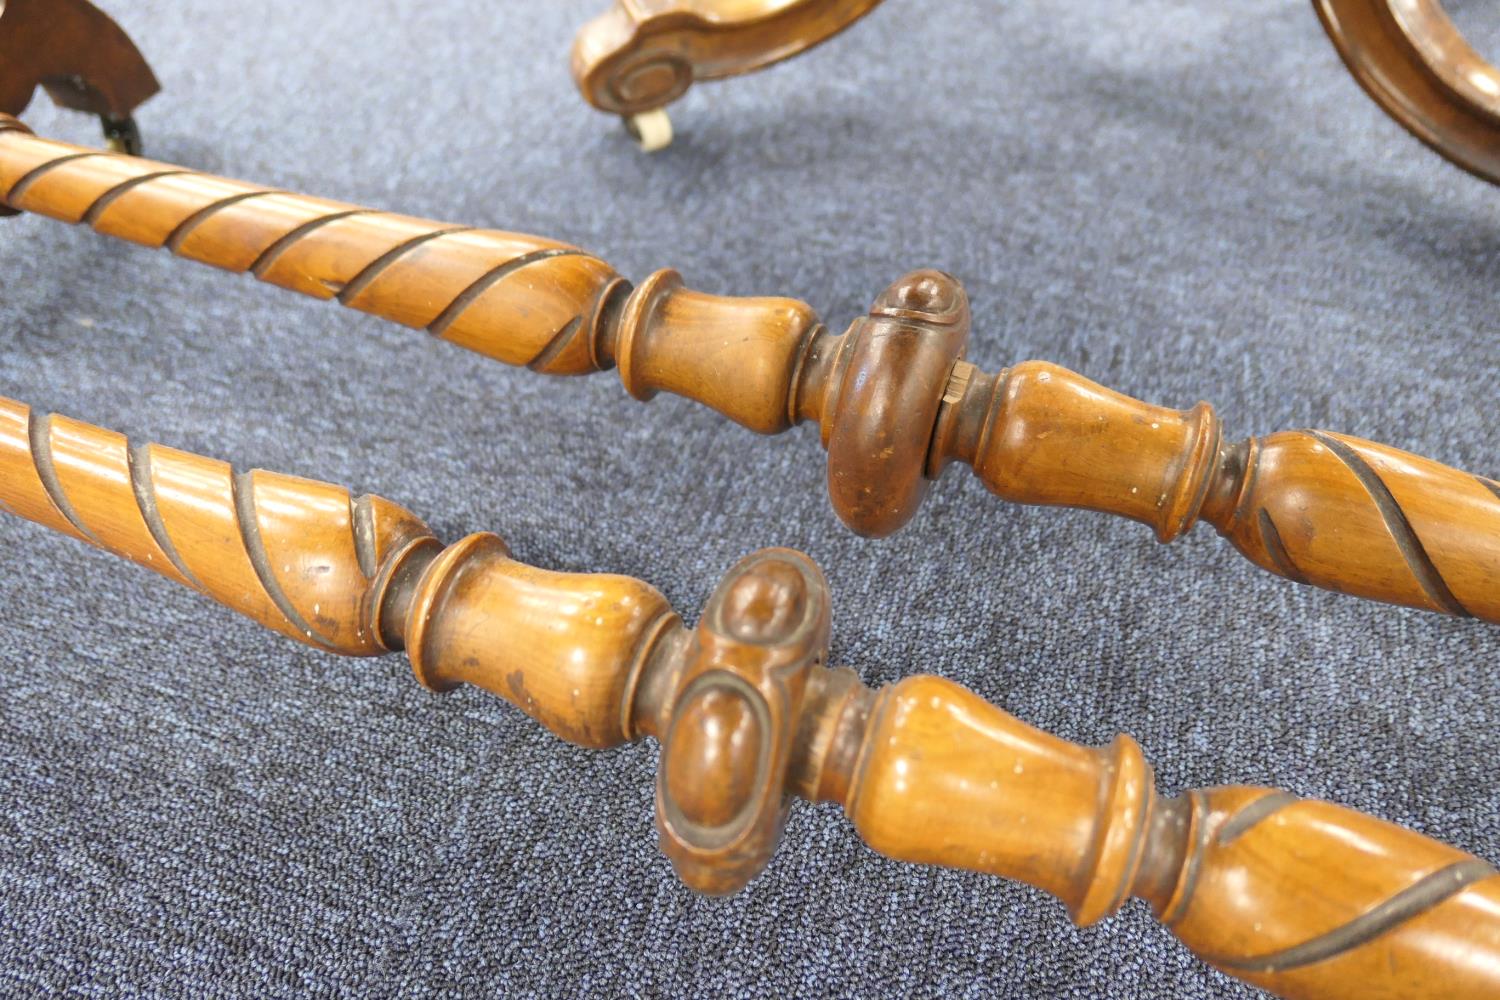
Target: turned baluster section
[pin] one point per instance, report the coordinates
(357, 576)
(1299, 897)
(1312, 506)
(895, 402)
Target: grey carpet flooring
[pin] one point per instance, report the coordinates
(1182, 200)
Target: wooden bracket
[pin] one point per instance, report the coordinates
(81, 57)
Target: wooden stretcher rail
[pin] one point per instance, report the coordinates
(1300, 897)
(894, 398)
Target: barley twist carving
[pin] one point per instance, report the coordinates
(1339, 512)
(520, 299)
(298, 556)
(1256, 899)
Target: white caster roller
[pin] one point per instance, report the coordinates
(652, 130)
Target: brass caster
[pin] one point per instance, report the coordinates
(122, 135)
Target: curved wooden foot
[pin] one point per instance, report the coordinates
(1409, 56)
(1300, 897)
(640, 55)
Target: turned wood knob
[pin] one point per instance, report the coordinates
(722, 789)
(882, 396)
(767, 363)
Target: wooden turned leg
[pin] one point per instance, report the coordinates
(1302, 898)
(893, 396)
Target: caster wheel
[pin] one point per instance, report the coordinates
(122, 135)
(652, 130)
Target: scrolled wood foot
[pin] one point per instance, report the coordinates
(894, 398)
(1302, 898)
(641, 55)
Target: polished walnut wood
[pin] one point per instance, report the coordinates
(82, 59)
(1300, 897)
(893, 397)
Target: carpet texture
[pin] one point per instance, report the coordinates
(1181, 200)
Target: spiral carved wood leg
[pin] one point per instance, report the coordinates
(520, 299)
(1254, 897)
(301, 557)
(893, 397)
(1365, 519)
(1303, 898)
